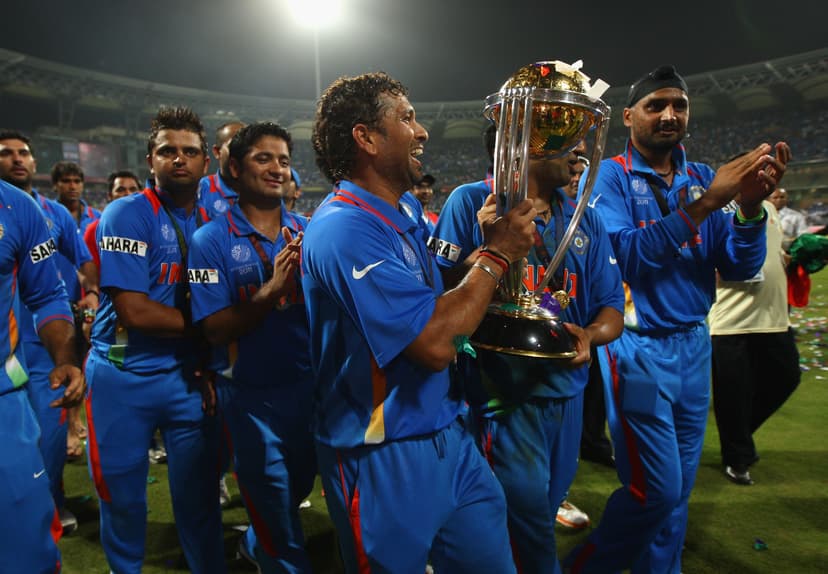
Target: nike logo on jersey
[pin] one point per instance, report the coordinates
(39, 474)
(594, 201)
(360, 273)
(613, 261)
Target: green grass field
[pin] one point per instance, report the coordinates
(787, 508)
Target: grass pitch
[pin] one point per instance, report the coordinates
(787, 508)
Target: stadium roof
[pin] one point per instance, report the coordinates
(791, 82)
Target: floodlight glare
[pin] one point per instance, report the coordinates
(316, 14)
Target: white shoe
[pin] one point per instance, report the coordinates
(224, 493)
(158, 455)
(68, 521)
(571, 516)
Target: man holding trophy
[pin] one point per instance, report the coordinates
(528, 399)
(670, 235)
(403, 478)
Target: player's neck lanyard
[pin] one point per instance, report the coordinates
(268, 264)
(257, 246)
(540, 247)
(348, 197)
(182, 242)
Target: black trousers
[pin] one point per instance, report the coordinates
(753, 375)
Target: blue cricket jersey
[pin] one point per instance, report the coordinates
(26, 249)
(667, 263)
(589, 275)
(215, 195)
(140, 252)
(66, 266)
(70, 248)
(371, 286)
(225, 269)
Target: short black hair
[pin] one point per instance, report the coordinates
(489, 139)
(8, 134)
(124, 173)
(176, 118)
(246, 137)
(346, 102)
(427, 180)
(64, 168)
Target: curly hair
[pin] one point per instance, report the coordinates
(64, 168)
(345, 103)
(246, 137)
(177, 118)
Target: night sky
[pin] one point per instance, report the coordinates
(441, 49)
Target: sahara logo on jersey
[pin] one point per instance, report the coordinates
(123, 245)
(42, 251)
(444, 249)
(203, 276)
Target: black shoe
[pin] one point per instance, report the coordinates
(739, 475)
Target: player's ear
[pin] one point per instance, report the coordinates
(235, 172)
(365, 138)
(149, 164)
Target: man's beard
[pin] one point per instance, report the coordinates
(22, 183)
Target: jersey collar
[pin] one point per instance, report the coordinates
(240, 226)
(390, 215)
(636, 162)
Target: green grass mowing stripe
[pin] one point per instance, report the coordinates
(787, 508)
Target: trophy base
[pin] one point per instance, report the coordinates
(526, 331)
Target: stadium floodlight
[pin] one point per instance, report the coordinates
(315, 15)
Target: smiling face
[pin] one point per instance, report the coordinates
(400, 143)
(658, 121)
(177, 161)
(264, 170)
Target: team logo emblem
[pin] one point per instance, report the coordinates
(240, 253)
(639, 186)
(219, 206)
(2, 231)
(580, 242)
(696, 191)
(167, 232)
(49, 223)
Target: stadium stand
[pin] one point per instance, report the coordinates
(93, 119)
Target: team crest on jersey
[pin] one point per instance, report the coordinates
(240, 253)
(42, 251)
(203, 276)
(123, 245)
(580, 242)
(2, 231)
(639, 186)
(219, 206)
(410, 257)
(696, 191)
(167, 232)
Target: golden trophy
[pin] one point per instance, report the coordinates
(543, 111)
